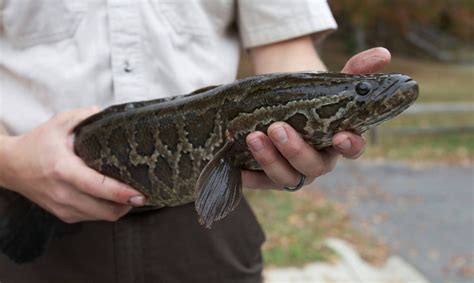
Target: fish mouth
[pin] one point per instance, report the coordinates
(404, 97)
(409, 89)
(403, 85)
(403, 91)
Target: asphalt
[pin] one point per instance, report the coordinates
(424, 213)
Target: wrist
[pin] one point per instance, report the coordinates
(7, 149)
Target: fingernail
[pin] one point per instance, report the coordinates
(280, 135)
(345, 144)
(255, 144)
(137, 201)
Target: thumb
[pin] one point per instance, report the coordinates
(369, 61)
(69, 119)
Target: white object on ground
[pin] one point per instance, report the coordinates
(349, 268)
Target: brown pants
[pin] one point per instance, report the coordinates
(165, 245)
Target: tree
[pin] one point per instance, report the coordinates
(430, 25)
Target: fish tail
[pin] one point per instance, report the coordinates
(26, 230)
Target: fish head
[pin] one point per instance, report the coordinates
(365, 101)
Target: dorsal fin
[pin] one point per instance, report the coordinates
(204, 89)
(134, 105)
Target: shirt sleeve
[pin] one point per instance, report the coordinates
(268, 21)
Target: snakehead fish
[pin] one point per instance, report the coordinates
(192, 148)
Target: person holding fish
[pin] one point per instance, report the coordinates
(57, 58)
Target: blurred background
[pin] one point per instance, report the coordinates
(412, 193)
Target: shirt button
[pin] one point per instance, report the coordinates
(127, 68)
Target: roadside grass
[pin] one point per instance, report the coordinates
(452, 148)
(297, 224)
(427, 120)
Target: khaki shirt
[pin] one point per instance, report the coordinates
(57, 55)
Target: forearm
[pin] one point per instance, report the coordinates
(292, 55)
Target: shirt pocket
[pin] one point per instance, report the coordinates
(31, 22)
(186, 16)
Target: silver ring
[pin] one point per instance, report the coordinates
(297, 187)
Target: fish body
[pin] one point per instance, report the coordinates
(161, 147)
(192, 148)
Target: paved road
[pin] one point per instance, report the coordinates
(425, 213)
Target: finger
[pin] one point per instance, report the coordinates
(87, 208)
(257, 180)
(300, 154)
(97, 185)
(273, 164)
(369, 61)
(97, 209)
(349, 145)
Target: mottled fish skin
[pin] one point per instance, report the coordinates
(161, 146)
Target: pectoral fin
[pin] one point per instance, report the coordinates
(219, 187)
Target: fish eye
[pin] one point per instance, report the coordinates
(363, 88)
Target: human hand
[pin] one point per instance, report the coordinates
(285, 156)
(41, 165)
